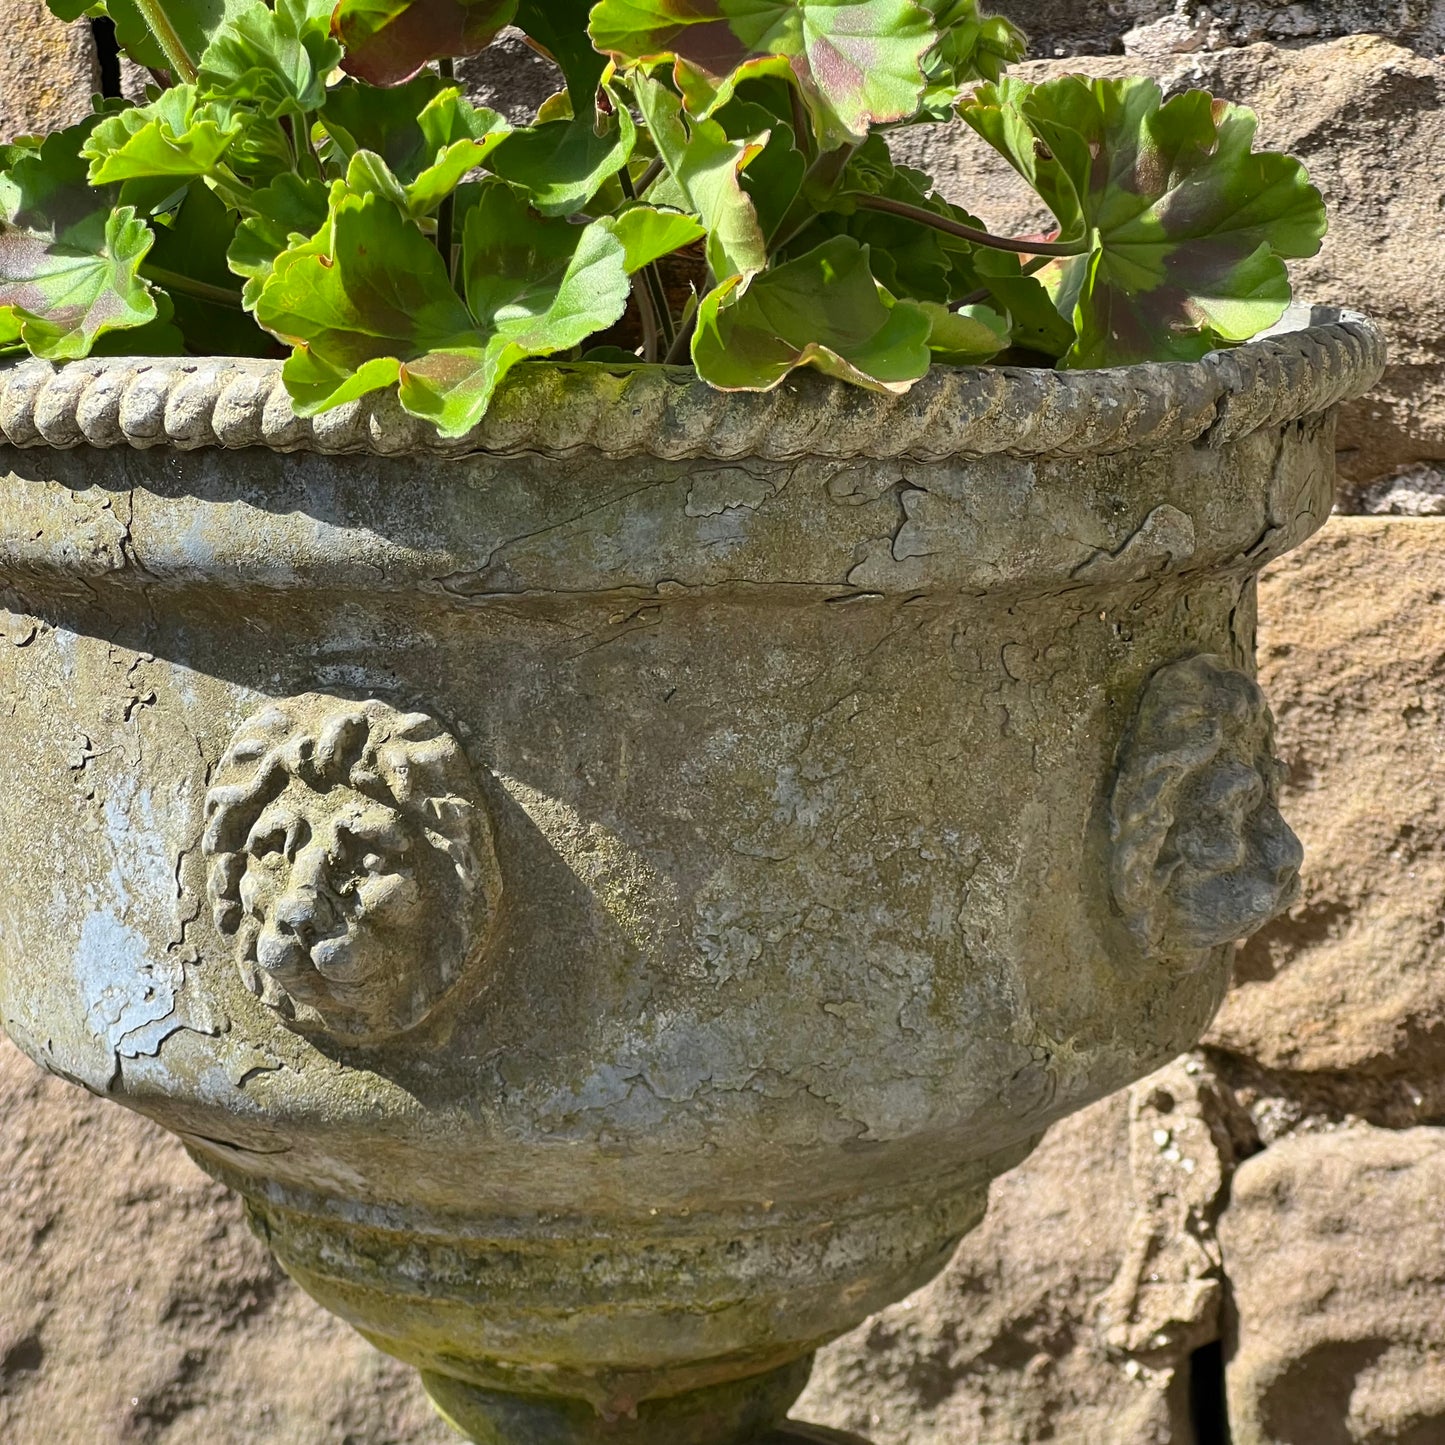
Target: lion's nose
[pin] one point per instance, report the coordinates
(295, 914)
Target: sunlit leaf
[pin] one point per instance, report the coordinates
(967, 336)
(368, 302)
(276, 59)
(1037, 325)
(365, 296)
(388, 41)
(176, 135)
(857, 63)
(534, 287)
(67, 295)
(704, 176)
(1189, 227)
(648, 234)
(564, 163)
(773, 176)
(428, 134)
(971, 47)
(289, 212)
(823, 310)
(70, 254)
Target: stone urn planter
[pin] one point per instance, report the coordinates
(611, 892)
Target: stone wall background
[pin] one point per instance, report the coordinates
(1249, 1245)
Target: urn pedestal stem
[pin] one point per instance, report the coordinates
(749, 1411)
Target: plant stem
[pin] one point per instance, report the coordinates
(680, 350)
(153, 12)
(651, 279)
(802, 128)
(189, 286)
(648, 312)
(651, 174)
(951, 227)
(446, 212)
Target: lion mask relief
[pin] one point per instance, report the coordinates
(1201, 855)
(350, 861)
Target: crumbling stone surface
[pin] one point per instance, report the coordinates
(1081, 27)
(47, 69)
(1072, 1313)
(1335, 1248)
(136, 1307)
(1418, 491)
(1091, 1303)
(1353, 655)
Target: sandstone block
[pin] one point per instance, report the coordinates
(136, 1307)
(47, 69)
(1059, 27)
(1073, 1311)
(1352, 652)
(1335, 1248)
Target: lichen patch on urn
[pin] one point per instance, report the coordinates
(1201, 855)
(352, 862)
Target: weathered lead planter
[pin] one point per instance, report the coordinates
(612, 893)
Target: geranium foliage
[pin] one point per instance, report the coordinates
(712, 184)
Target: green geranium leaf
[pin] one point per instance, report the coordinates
(428, 134)
(857, 63)
(368, 302)
(534, 287)
(823, 310)
(543, 286)
(363, 117)
(967, 336)
(289, 212)
(1037, 324)
(47, 190)
(275, 59)
(908, 258)
(773, 176)
(560, 28)
(173, 136)
(648, 234)
(388, 41)
(705, 168)
(365, 296)
(564, 163)
(12, 326)
(65, 295)
(1189, 226)
(369, 175)
(971, 47)
(160, 337)
(70, 253)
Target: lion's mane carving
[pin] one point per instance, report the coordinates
(350, 861)
(1201, 854)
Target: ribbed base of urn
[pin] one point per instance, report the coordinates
(742, 1412)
